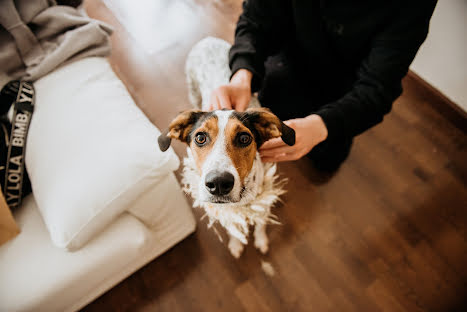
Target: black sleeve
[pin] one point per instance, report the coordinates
(379, 77)
(261, 31)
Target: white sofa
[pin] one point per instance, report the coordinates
(35, 275)
(87, 228)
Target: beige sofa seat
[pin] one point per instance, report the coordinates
(35, 275)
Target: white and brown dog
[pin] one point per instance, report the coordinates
(223, 171)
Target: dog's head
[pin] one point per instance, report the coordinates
(224, 145)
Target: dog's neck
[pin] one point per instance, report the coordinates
(261, 191)
(253, 183)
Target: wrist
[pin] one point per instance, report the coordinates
(242, 77)
(319, 127)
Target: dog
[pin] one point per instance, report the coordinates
(223, 171)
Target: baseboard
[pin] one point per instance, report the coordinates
(450, 110)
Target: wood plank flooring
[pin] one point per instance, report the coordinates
(387, 232)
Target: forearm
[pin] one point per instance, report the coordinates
(318, 128)
(247, 52)
(356, 112)
(260, 31)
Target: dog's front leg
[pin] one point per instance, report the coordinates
(261, 238)
(235, 246)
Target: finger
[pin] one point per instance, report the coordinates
(277, 151)
(224, 101)
(276, 142)
(242, 104)
(218, 103)
(210, 106)
(279, 158)
(268, 159)
(213, 102)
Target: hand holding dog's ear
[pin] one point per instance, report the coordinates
(309, 131)
(269, 126)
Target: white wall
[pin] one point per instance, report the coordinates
(442, 59)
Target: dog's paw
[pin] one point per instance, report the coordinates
(235, 247)
(262, 243)
(261, 239)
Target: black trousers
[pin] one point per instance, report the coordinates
(289, 94)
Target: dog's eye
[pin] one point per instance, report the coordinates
(244, 139)
(200, 138)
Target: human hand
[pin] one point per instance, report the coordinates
(309, 131)
(234, 95)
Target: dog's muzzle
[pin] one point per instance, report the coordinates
(219, 183)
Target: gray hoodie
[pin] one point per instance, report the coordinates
(37, 36)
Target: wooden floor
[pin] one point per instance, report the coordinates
(387, 232)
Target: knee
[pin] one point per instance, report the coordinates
(329, 155)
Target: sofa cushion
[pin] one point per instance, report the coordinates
(90, 151)
(37, 276)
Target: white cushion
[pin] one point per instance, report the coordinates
(90, 151)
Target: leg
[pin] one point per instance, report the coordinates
(235, 246)
(261, 238)
(329, 155)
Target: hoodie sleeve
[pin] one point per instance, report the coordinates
(261, 30)
(380, 74)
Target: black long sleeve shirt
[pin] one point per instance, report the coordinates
(362, 47)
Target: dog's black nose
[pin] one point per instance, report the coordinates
(219, 183)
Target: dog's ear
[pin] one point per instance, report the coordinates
(164, 141)
(267, 126)
(179, 128)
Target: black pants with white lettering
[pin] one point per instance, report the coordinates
(289, 96)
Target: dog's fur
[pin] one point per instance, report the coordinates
(223, 146)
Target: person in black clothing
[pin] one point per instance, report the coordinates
(332, 69)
